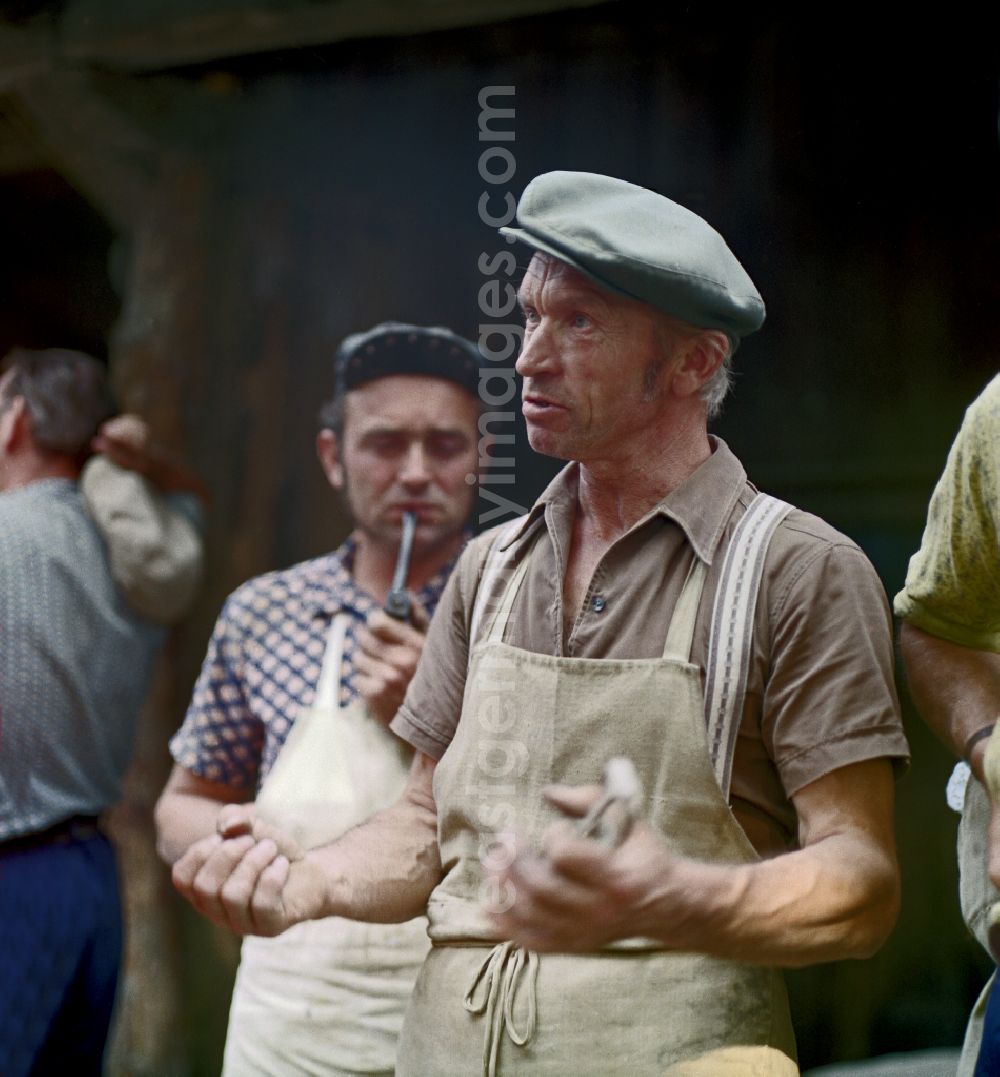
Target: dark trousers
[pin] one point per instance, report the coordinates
(60, 951)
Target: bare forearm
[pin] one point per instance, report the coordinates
(256, 880)
(955, 688)
(188, 810)
(382, 871)
(181, 820)
(836, 899)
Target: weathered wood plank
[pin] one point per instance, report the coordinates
(167, 33)
(104, 152)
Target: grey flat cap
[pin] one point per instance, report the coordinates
(640, 244)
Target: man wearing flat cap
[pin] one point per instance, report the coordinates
(304, 672)
(651, 605)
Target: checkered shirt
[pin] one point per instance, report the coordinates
(263, 665)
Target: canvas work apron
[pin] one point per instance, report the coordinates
(483, 1005)
(327, 996)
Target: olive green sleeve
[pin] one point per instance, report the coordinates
(952, 587)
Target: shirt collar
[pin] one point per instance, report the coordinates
(332, 588)
(700, 506)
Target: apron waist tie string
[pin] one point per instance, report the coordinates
(501, 975)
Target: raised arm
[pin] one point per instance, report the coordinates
(154, 537)
(382, 871)
(127, 442)
(835, 897)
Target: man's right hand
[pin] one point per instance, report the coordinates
(386, 659)
(254, 883)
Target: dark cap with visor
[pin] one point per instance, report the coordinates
(400, 348)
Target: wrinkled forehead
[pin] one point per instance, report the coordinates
(549, 277)
(546, 271)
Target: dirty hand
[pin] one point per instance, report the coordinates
(578, 894)
(386, 658)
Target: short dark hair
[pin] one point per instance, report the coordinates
(332, 414)
(66, 395)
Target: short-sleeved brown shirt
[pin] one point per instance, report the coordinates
(820, 693)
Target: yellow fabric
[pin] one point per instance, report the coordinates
(736, 1062)
(952, 587)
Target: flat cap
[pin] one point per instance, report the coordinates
(400, 348)
(640, 244)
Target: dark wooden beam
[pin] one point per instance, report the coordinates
(93, 141)
(168, 33)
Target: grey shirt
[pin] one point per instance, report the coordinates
(75, 662)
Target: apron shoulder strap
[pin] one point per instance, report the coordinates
(328, 686)
(680, 632)
(497, 567)
(732, 630)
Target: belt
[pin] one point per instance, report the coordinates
(75, 828)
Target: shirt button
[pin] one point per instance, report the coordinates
(597, 603)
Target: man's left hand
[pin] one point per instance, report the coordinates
(386, 659)
(578, 895)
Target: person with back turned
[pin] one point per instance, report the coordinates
(95, 559)
(303, 674)
(651, 605)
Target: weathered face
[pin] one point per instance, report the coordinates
(409, 444)
(590, 364)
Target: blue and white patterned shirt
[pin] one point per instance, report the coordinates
(75, 662)
(263, 665)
